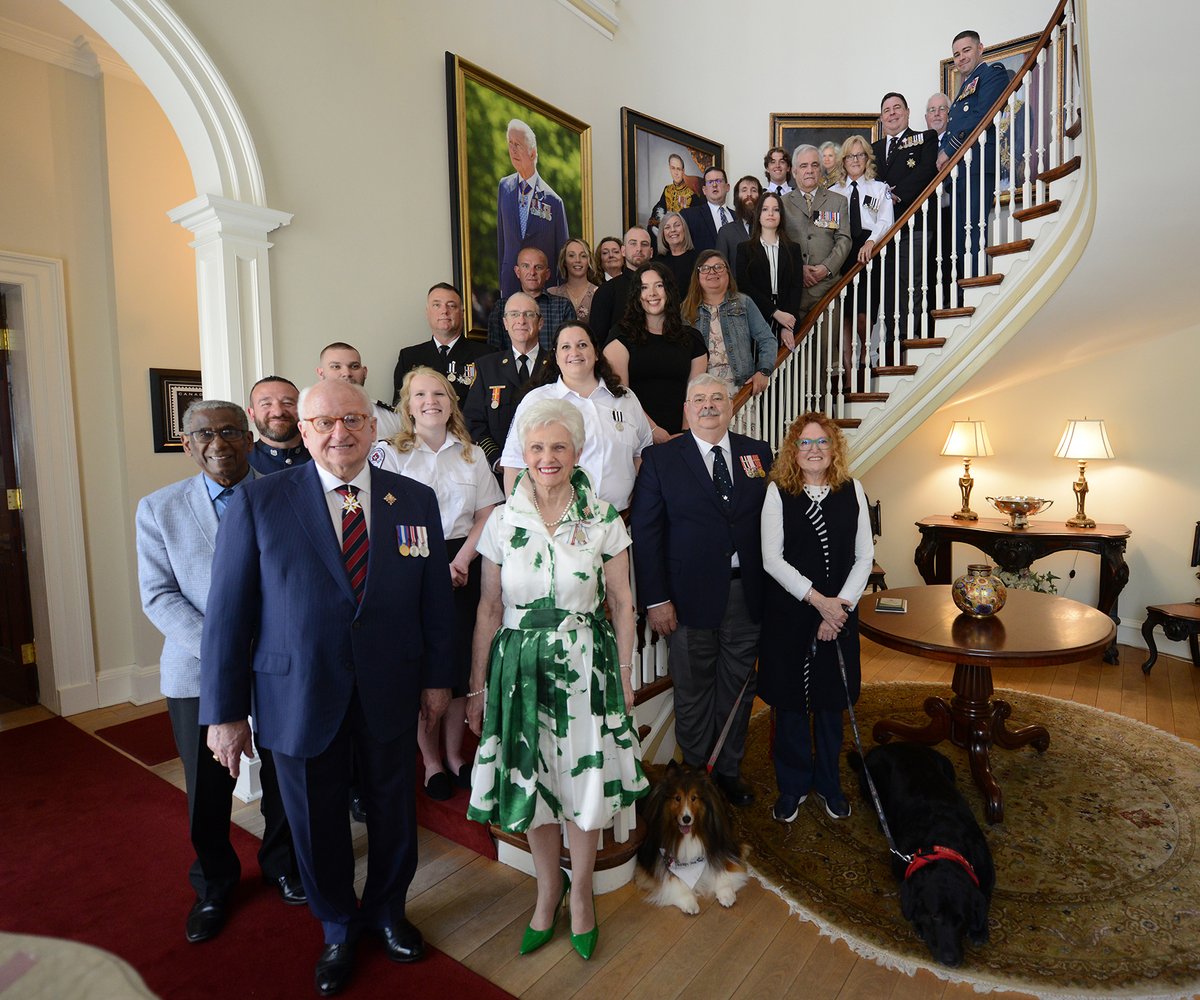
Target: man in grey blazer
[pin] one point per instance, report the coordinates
(176, 538)
(818, 222)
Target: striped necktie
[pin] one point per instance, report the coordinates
(354, 540)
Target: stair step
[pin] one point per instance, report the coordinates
(612, 855)
(922, 343)
(1056, 173)
(651, 690)
(1076, 128)
(983, 281)
(1037, 211)
(952, 313)
(866, 397)
(848, 423)
(643, 733)
(1003, 249)
(898, 369)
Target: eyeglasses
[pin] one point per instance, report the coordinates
(821, 444)
(716, 182)
(206, 435)
(936, 110)
(528, 314)
(716, 397)
(712, 269)
(855, 156)
(351, 421)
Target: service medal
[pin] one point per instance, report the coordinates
(402, 536)
(911, 162)
(423, 534)
(496, 390)
(619, 418)
(450, 376)
(351, 504)
(468, 375)
(389, 499)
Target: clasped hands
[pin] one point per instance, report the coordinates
(833, 611)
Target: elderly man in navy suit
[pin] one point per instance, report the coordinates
(697, 556)
(982, 85)
(528, 212)
(331, 616)
(176, 537)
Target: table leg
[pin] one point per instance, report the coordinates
(937, 729)
(1148, 627)
(1014, 739)
(1194, 646)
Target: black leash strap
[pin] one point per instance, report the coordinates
(906, 858)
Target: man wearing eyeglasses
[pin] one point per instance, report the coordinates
(533, 272)
(447, 350)
(705, 220)
(697, 555)
(176, 537)
(331, 610)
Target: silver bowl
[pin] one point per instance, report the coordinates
(1020, 508)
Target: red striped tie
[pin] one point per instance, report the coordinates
(354, 540)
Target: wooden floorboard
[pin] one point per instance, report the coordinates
(476, 909)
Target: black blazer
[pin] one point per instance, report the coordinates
(910, 170)
(700, 224)
(462, 355)
(488, 426)
(754, 278)
(608, 305)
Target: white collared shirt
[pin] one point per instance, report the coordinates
(783, 188)
(716, 215)
(878, 220)
(462, 487)
(361, 482)
(438, 345)
(609, 445)
(531, 354)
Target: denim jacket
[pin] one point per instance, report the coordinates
(748, 338)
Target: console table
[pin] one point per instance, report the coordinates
(1014, 549)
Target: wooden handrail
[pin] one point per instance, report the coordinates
(810, 320)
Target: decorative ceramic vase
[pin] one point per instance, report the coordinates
(979, 592)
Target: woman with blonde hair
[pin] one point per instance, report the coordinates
(578, 280)
(434, 447)
(817, 551)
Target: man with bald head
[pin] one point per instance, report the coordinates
(608, 304)
(330, 611)
(533, 273)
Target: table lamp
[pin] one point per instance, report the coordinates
(1082, 441)
(968, 439)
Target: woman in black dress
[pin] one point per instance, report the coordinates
(817, 551)
(654, 353)
(769, 269)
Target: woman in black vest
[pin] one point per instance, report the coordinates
(817, 551)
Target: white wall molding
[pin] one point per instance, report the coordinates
(599, 14)
(54, 510)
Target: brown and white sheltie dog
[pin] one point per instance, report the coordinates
(689, 852)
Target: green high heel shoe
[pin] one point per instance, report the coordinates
(532, 940)
(585, 943)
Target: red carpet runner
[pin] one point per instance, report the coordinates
(95, 849)
(149, 738)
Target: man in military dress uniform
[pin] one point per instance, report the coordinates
(447, 351)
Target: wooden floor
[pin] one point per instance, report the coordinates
(475, 909)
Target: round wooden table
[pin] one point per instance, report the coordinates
(1032, 630)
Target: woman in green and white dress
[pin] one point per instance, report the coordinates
(550, 676)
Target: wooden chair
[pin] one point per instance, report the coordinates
(876, 581)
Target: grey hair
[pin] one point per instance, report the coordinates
(687, 233)
(516, 125)
(708, 378)
(806, 147)
(368, 405)
(207, 406)
(552, 411)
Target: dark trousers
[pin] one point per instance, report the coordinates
(708, 668)
(216, 869)
(807, 746)
(315, 791)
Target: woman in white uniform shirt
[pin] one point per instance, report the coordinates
(616, 427)
(434, 448)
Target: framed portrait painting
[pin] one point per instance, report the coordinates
(662, 167)
(172, 391)
(792, 130)
(520, 176)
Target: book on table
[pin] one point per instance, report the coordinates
(891, 605)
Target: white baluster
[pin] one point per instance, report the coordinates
(1042, 118)
(1028, 190)
(955, 263)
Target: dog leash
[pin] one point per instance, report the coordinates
(712, 760)
(906, 858)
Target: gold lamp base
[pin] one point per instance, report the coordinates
(965, 483)
(1080, 489)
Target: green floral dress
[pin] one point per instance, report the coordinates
(557, 743)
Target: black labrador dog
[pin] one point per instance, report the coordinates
(944, 893)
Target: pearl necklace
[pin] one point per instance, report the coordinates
(551, 523)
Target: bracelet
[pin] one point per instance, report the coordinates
(476, 694)
(626, 666)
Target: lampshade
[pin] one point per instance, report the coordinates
(1084, 440)
(968, 439)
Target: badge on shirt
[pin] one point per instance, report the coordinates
(872, 203)
(495, 390)
(389, 499)
(753, 467)
(916, 139)
(413, 539)
(351, 504)
(376, 456)
(827, 220)
(911, 162)
(541, 209)
(468, 374)
(451, 371)
(968, 90)
(619, 419)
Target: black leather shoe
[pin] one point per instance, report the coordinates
(205, 920)
(291, 889)
(402, 942)
(358, 808)
(439, 787)
(736, 791)
(463, 778)
(334, 968)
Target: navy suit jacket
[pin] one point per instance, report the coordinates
(545, 229)
(975, 99)
(684, 539)
(282, 623)
(700, 224)
(489, 425)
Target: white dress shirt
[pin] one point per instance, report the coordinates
(878, 220)
(361, 482)
(716, 215)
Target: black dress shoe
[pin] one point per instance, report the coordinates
(291, 889)
(334, 968)
(439, 787)
(402, 942)
(358, 808)
(463, 778)
(736, 791)
(205, 920)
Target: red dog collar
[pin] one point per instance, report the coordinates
(937, 853)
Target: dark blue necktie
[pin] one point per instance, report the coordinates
(721, 477)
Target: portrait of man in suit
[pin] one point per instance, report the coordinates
(331, 616)
(528, 211)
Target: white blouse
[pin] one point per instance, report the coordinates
(878, 216)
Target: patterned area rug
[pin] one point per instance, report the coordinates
(1097, 876)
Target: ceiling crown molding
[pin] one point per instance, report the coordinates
(600, 14)
(77, 55)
